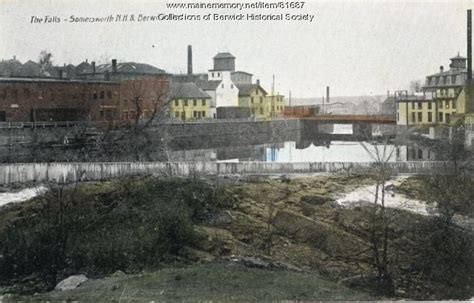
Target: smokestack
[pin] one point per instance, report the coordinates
(327, 94)
(388, 94)
(114, 65)
(60, 74)
(190, 60)
(258, 82)
(469, 46)
(93, 67)
(441, 69)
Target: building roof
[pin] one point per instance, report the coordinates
(50, 80)
(241, 72)
(208, 85)
(187, 90)
(84, 68)
(224, 56)
(246, 89)
(130, 67)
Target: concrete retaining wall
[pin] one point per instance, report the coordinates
(72, 172)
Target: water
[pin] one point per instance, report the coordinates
(22, 195)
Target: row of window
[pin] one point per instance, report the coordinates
(441, 104)
(418, 117)
(444, 80)
(196, 114)
(186, 102)
(13, 93)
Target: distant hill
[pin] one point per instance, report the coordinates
(353, 99)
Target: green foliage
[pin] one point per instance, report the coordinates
(139, 224)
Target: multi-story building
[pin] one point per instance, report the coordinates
(253, 96)
(441, 101)
(187, 102)
(33, 99)
(274, 105)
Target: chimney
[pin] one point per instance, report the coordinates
(60, 74)
(469, 46)
(388, 94)
(190, 60)
(258, 82)
(327, 94)
(441, 69)
(114, 65)
(107, 75)
(14, 57)
(93, 67)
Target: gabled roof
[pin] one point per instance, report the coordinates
(208, 85)
(84, 68)
(224, 56)
(186, 90)
(246, 89)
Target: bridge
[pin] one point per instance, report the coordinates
(353, 119)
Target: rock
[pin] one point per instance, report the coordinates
(254, 262)
(71, 283)
(221, 218)
(316, 199)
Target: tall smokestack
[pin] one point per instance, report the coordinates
(469, 46)
(190, 60)
(114, 65)
(93, 67)
(327, 94)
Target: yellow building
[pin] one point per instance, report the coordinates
(442, 100)
(275, 105)
(188, 102)
(254, 97)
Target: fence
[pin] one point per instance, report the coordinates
(73, 172)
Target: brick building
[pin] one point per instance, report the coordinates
(45, 100)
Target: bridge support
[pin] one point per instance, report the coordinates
(362, 131)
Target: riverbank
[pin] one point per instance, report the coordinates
(295, 222)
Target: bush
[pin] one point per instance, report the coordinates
(140, 224)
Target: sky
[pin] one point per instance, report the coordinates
(356, 47)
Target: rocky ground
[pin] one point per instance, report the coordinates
(281, 227)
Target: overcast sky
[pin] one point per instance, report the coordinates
(356, 47)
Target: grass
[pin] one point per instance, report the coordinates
(206, 282)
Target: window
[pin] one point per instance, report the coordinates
(94, 96)
(261, 99)
(203, 102)
(261, 111)
(102, 94)
(447, 104)
(185, 102)
(420, 117)
(203, 114)
(218, 74)
(251, 100)
(413, 105)
(420, 154)
(176, 102)
(194, 102)
(109, 94)
(430, 105)
(454, 104)
(430, 117)
(212, 75)
(125, 115)
(440, 116)
(194, 114)
(448, 118)
(413, 117)
(419, 105)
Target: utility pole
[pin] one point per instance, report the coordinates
(273, 96)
